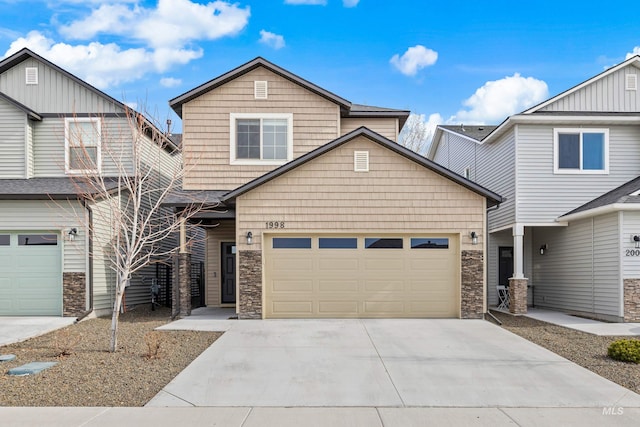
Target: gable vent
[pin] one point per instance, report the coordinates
(260, 89)
(361, 161)
(632, 81)
(31, 75)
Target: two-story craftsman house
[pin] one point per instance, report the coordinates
(321, 213)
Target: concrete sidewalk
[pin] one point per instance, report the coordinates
(317, 417)
(590, 326)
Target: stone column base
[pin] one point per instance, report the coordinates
(250, 285)
(518, 296)
(74, 291)
(184, 283)
(472, 298)
(632, 300)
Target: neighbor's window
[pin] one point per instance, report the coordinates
(82, 144)
(581, 151)
(261, 138)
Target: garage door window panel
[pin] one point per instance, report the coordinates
(382, 243)
(5, 240)
(338, 243)
(37, 240)
(429, 243)
(291, 243)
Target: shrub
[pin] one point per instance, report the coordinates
(153, 340)
(65, 342)
(625, 350)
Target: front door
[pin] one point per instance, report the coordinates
(228, 273)
(505, 266)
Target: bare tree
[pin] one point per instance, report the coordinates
(125, 173)
(416, 134)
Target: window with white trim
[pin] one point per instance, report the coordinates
(582, 150)
(261, 139)
(82, 140)
(467, 172)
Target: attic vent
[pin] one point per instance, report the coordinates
(31, 75)
(260, 89)
(631, 81)
(361, 161)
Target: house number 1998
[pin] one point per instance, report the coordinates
(274, 224)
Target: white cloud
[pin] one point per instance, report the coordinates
(311, 2)
(166, 36)
(635, 51)
(273, 40)
(414, 59)
(350, 3)
(498, 99)
(170, 82)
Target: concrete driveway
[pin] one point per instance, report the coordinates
(384, 363)
(19, 328)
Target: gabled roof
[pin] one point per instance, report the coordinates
(28, 111)
(346, 107)
(622, 195)
(492, 198)
(474, 133)
(633, 60)
(24, 54)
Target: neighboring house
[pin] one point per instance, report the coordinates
(50, 263)
(568, 168)
(320, 212)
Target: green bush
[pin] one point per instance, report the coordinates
(625, 350)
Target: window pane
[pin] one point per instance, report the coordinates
(429, 243)
(338, 243)
(593, 151)
(248, 139)
(274, 138)
(380, 243)
(37, 239)
(5, 240)
(83, 158)
(292, 243)
(84, 133)
(569, 151)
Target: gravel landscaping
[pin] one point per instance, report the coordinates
(91, 376)
(587, 350)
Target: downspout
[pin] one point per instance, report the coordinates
(90, 251)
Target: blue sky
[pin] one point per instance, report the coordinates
(469, 62)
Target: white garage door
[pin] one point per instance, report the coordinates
(340, 276)
(30, 274)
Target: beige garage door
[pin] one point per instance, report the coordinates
(309, 276)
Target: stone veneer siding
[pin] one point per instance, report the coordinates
(632, 300)
(472, 285)
(518, 296)
(250, 284)
(74, 293)
(184, 283)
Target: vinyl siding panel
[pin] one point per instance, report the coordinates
(630, 227)
(224, 232)
(206, 122)
(55, 93)
(48, 146)
(457, 153)
(543, 196)
(607, 94)
(386, 127)
(29, 151)
(496, 171)
(13, 128)
(104, 277)
(580, 270)
(396, 196)
(57, 217)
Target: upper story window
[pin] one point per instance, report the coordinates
(261, 139)
(581, 151)
(82, 139)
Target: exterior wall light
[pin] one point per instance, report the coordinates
(636, 239)
(249, 238)
(543, 249)
(474, 238)
(72, 234)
